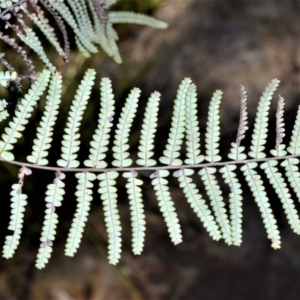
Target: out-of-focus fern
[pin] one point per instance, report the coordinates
(91, 21)
(220, 221)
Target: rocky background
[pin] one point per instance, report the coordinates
(219, 45)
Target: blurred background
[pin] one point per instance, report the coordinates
(219, 45)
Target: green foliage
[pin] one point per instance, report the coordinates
(90, 20)
(220, 221)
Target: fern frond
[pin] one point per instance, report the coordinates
(70, 143)
(197, 203)
(261, 121)
(101, 136)
(212, 136)
(25, 108)
(135, 18)
(137, 211)
(235, 203)
(171, 152)
(17, 214)
(214, 193)
(43, 140)
(84, 197)
(160, 185)
(192, 128)
(121, 146)
(148, 131)
(108, 194)
(258, 190)
(54, 196)
(184, 124)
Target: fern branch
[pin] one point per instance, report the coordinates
(43, 24)
(111, 36)
(69, 18)
(261, 121)
(214, 193)
(171, 152)
(70, 143)
(108, 194)
(84, 197)
(192, 128)
(282, 191)
(54, 197)
(101, 136)
(294, 146)
(135, 18)
(17, 215)
(32, 41)
(197, 203)
(99, 30)
(137, 211)
(148, 131)
(61, 26)
(212, 136)
(160, 185)
(293, 174)
(235, 203)
(12, 131)
(123, 127)
(43, 140)
(257, 188)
